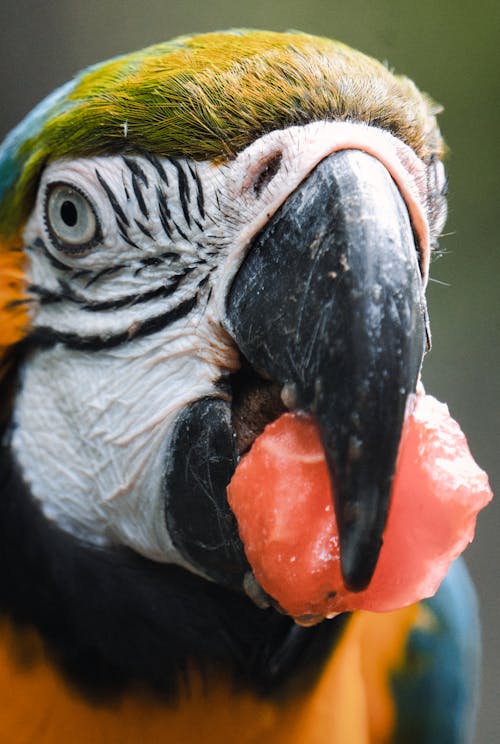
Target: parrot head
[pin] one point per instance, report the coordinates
(196, 238)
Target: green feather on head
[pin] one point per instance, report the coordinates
(208, 97)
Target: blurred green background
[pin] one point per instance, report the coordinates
(451, 49)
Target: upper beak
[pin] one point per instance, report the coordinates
(329, 302)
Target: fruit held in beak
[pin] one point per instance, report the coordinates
(281, 496)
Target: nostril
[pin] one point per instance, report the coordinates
(267, 172)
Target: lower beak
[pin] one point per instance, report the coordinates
(329, 303)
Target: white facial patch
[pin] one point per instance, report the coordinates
(130, 330)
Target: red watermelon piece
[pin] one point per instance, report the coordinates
(281, 496)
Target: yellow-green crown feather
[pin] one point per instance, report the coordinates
(208, 97)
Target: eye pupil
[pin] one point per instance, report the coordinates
(69, 213)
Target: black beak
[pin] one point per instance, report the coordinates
(329, 302)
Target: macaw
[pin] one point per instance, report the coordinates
(173, 226)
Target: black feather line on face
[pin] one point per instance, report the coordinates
(181, 232)
(66, 293)
(112, 619)
(115, 204)
(200, 199)
(164, 212)
(129, 241)
(184, 190)
(45, 337)
(155, 162)
(139, 196)
(107, 272)
(145, 231)
(136, 170)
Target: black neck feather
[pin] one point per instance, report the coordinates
(112, 619)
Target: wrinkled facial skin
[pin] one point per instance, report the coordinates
(130, 262)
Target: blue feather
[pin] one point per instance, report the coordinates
(10, 162)
(436, 692)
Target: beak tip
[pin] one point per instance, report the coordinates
(361, 509)
(358, 559)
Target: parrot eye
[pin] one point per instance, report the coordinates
(71, 219)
